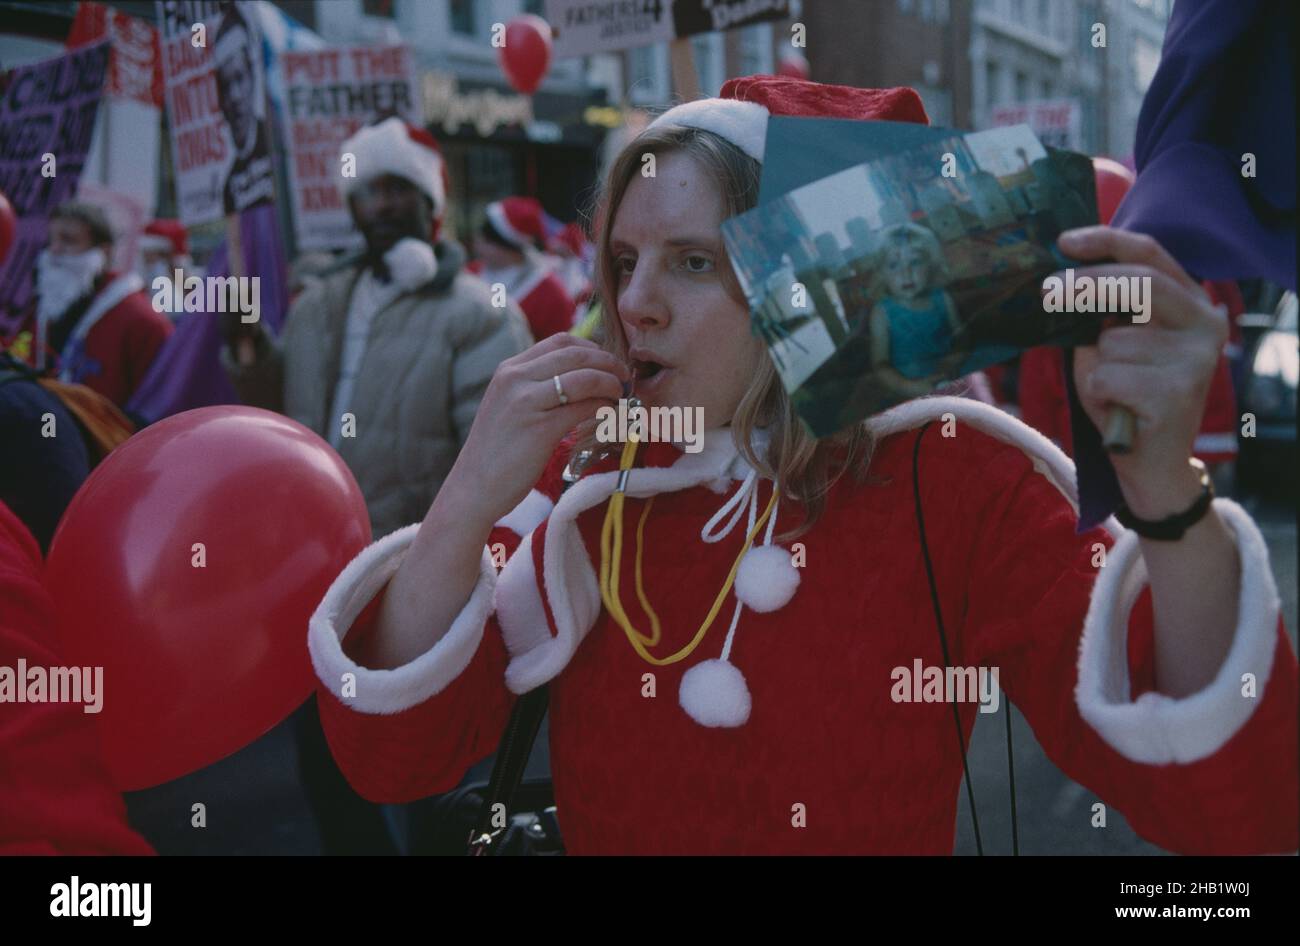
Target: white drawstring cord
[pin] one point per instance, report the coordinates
(735, 617)
(733, 506)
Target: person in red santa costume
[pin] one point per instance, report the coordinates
(55, 793)
(507, 251)
(722, 631)
(165, 252)
(97, 325)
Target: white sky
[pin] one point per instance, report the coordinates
(829, 204)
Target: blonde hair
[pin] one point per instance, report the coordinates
(803, 466)
(904, 236)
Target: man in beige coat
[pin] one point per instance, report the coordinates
(386, 357)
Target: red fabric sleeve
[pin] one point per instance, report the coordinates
(426, 750)
(55, 794)
(1008, 538)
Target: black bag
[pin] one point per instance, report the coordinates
(505, 815)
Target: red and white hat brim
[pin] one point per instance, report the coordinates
(744, 124)
(387, 148)
(496, 214)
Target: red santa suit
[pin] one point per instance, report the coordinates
(795, 704)
(533, 284)
(55, 794)
(538, 291)
(113, 343)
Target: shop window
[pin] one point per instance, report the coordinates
(756, 50)
(380, 8)
(462, 17)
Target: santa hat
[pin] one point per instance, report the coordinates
(741, 111)
(167, 235)
(519, 221)
(394, 147)
(570, 235)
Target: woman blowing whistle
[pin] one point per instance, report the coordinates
(719, 629)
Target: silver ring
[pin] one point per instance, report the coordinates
(559, 390)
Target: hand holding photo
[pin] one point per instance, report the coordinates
(885, 280)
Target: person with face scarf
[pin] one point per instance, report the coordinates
(92, 326)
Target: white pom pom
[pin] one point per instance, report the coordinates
(411, 263)
(766, 579)
(714, 693)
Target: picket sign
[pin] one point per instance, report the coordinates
(245, 351)
(686, 75)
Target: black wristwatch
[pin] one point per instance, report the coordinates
(1171, 528)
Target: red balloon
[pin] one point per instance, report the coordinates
(8, 226)
(527, 53)
(1113, 182)
(187, 566)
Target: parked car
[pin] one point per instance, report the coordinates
(1268, 458)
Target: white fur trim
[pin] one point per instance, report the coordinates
(412, 263)
(529, 514)
(714, 694)
(386, 148)
(766, 579)
(744, 124)
(1157, 729)
(568, 578)
(1047, 457)
(496, 213)
(518, 602)
(382, 692)
(152, 242)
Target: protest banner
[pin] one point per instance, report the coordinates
(583, 27)
(216, 107)
(1058, 123)
(47, 120)
(328, 95)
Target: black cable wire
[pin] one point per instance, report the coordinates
(943, 643)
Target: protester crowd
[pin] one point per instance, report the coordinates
(385, 353)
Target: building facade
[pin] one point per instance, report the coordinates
(1076, 70)
(882, 43)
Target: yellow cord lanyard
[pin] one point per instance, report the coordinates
(611, 554)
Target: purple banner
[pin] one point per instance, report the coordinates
(47, 117)
(187, 372)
